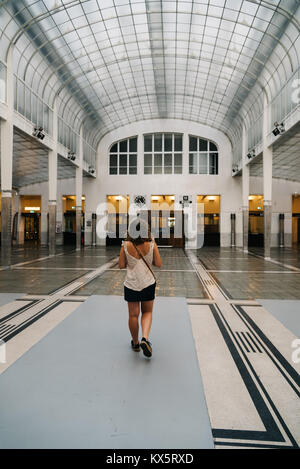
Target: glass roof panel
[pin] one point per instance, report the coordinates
(120, 58)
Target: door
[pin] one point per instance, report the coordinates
(32, 227)
(256, 229)
(167, 227)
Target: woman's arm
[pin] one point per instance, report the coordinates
(156, 257)
(122, 258)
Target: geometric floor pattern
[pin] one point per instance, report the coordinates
(245, 354)
(251, 383)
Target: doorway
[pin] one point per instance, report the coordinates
(69, 221)
(30, 226)
(208, 207)
(296, 219)
(166, 223)
(117, 219)
(256, 221)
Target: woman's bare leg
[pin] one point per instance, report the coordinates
(146, 321)
(133, 321)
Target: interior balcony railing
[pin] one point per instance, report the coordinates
(2, 82)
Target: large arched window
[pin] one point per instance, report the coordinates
(123, 157)
(203, 156)
(163, 153)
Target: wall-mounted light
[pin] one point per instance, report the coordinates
(38, 132)
(119, 197)
(36, 209)
(211, 197)
(278, 129)
(71, 156)
(155, 197)
(251, 197)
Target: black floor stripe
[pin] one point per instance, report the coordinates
(272, 432)
(19, 311)
(31, 321)
(253, 341)
(275, 352)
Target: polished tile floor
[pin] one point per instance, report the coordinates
(244, 350)
(243, 276)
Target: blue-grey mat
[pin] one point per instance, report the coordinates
(286, 311)
(83, 387)
(6, 298)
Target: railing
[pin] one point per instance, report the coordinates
(67, 136)
(286, 100)
(237, 152)
(89, 154)
(31, 106)
(255, 133)
(2, 82)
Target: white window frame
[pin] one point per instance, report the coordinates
(118, 154)
(163, 152)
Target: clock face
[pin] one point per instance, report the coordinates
(139, 200)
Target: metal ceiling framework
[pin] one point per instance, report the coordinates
(114, 62)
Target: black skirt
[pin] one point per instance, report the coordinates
(147, 294)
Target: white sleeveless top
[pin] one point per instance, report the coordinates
(138, 275)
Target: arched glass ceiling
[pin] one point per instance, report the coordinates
(112, 62)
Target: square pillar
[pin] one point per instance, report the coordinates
(52, 186)
(7, 133)
(245, 192)
(267, 183)
(78, 183)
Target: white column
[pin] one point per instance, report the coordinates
(79, 191)
(245, 191)
(267, 182)
(52, 184)
(7, 132)
(44, 219)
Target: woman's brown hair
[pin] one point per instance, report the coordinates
(139, 232)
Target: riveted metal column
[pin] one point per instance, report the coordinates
(232, 218)
(94, 225)
(281, 230)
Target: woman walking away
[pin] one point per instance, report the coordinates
(138, 253)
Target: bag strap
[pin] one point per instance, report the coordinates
(142, 257)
